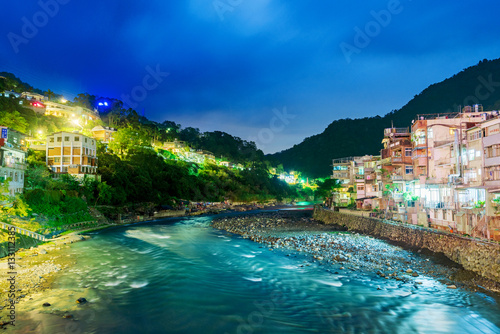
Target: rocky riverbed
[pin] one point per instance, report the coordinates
(295, 233)
(34, 270)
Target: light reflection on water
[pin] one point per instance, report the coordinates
(184, 276)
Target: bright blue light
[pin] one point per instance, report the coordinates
(105, 103)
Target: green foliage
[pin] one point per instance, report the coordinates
(326, 187)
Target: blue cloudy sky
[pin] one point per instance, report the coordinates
(232, 62)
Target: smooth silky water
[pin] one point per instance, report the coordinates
(182, 276)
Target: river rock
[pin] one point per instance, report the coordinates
(81, 300)
(46, 304)
(452, 286)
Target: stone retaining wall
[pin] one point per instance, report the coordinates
(478, 256)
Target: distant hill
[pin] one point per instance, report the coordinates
(479, 84)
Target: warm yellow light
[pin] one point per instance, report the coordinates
(63, 100)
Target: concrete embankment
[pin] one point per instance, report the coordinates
(478, 256)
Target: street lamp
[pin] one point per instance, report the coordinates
(75, 121)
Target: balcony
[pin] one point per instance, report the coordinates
(421, 161)
(14, 165)
(396, 131)
(397, 159)
(445, 161)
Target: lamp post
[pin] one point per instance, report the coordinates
(76, 123)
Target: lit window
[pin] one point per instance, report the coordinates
(478, 154)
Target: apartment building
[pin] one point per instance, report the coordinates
(350, 172)
(12, 159)
(103, 134)
(70, 112)
(72, 153)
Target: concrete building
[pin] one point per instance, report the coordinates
(12, 159)
(34, 97)
(103, 134)
(70, 112)
(72, 153)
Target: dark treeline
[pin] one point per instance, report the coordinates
(479, 84)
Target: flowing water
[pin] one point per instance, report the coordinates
(182, 276)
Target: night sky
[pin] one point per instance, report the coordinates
(233, 65)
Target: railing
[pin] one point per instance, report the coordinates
(23, 231)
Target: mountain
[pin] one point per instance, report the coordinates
(479, 84)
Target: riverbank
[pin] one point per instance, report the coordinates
(296, 233)
(35, 269)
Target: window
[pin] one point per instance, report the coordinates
(408, 170)
(452, 131)
(77, 138)
(85, 139)
(66, 138)
(478, 154)
(57, 159)
(430, 133)
(408, 152)
(59, 139)
(51, 139)
(471, 154)
(475, 135)
(66, 159)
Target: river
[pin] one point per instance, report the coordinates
(182, 276)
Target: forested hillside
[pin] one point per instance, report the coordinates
(479, 84)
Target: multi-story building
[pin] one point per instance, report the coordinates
(72, 153)
(12, 159)
(175, 146)
(103, 134)
(439, 156)
(350, 172)
(70, 112)
(34, 96)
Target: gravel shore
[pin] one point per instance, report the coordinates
(296, 234)
(35, 269)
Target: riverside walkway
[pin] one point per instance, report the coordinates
(23, 231)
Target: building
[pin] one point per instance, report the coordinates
(71, 153)
(12, 159)
(175, 146)
(34, 97)
(350, 173)
(8, 93)
(103, 134)
(70, 112)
